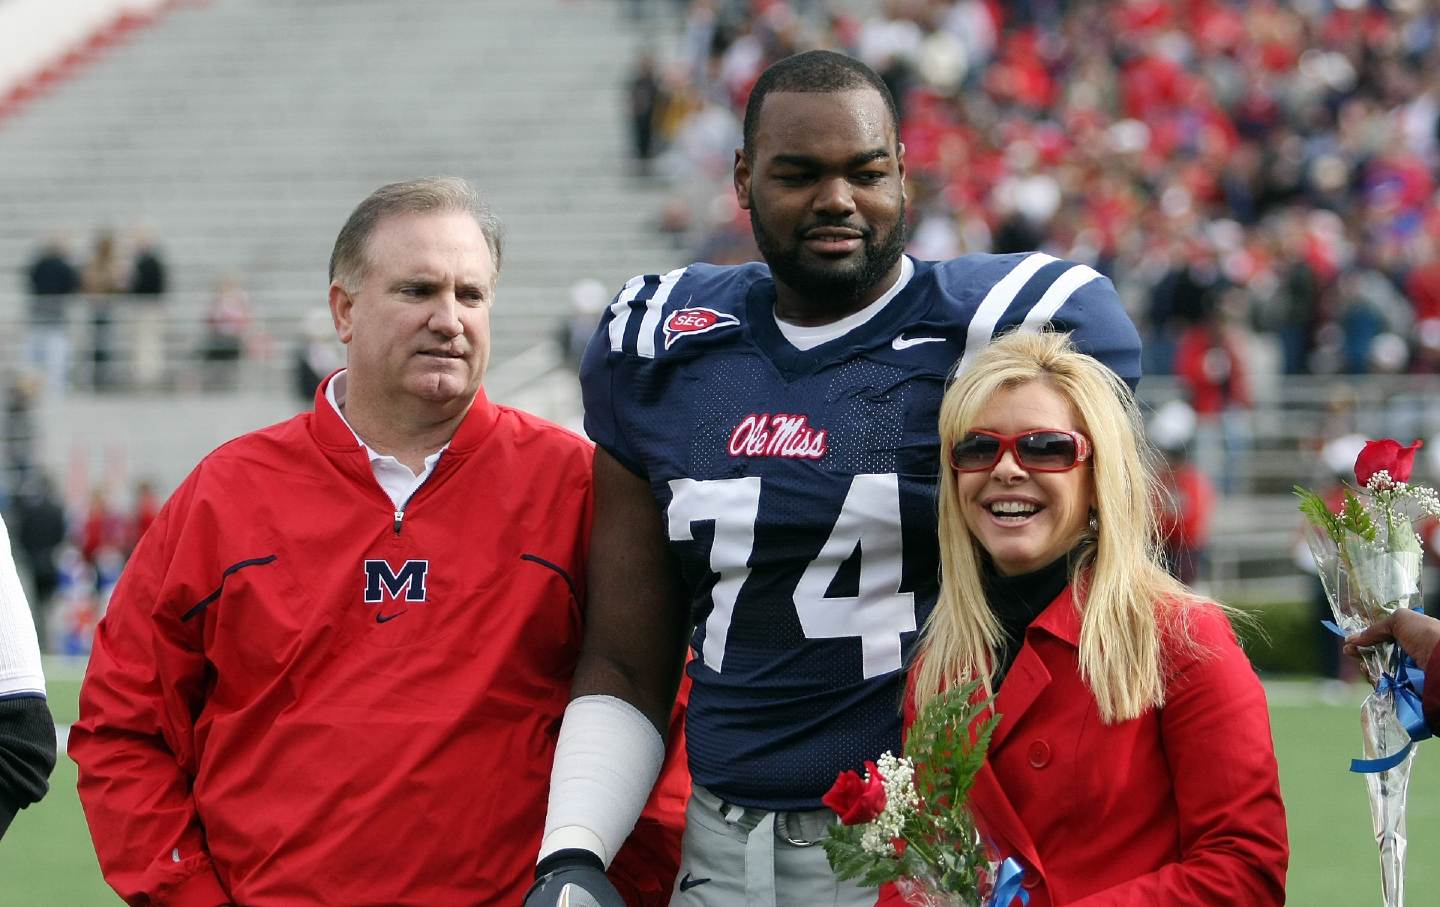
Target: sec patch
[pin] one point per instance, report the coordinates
(697, 320)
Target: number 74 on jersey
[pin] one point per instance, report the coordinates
(869, 520)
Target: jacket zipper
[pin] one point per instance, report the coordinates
(400, 512)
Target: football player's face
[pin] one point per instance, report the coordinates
(1026, 519)
(824, 185)
(418, 324)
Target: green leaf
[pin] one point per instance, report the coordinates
(946, 763)
(851, 861)
(1314, 509)
(843, 850)
(1355, 520)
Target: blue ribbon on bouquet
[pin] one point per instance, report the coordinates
(1008, 881)
(1407, 685)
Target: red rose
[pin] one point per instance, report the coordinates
(1386, 454)
(856, 800)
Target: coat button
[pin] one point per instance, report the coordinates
(1039, 754)
(1032, 879)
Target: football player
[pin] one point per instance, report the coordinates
(765, 487)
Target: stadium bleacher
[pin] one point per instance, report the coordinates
(242, 131)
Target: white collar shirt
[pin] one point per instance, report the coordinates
(397, 480)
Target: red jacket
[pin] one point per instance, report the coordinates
(296, 699)
(1210, 364)
(1185, 520)
(1180, 806)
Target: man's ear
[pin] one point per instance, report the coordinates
(742, 179)
(342, 306)
(900, 162)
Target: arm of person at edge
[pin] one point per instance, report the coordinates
(636, 625)
(27, 730)
(1231, 821)
(1419, 635)
(134, 742)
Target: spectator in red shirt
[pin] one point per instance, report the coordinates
(102, 531)
(1210, 361)
(1422, 287)
(1186, 496)
(147, 507)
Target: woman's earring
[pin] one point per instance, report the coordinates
(1094, 522)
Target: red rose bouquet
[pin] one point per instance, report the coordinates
(1368, 557)
(905, 821)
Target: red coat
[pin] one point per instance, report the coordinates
(1180, 806)
(294, 700)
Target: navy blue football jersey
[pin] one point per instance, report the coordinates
(798, 488)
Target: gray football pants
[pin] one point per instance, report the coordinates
(732, 856)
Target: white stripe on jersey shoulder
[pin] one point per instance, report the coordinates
(650, 324)
(987, 314)
(622, 309)
(1057, 295)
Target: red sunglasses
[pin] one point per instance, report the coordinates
(1038, 450)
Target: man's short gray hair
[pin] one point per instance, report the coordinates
(431, 195)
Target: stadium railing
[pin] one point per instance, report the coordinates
(1255, 533)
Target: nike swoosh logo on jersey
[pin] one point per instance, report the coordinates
(687, 883)
(385, 618)
(901, 342)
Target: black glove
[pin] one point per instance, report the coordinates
(572, 878)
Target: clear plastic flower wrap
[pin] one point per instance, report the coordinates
(1368, 557)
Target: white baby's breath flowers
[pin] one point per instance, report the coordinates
(898, 779)
(1386, 494)
(1427, 499)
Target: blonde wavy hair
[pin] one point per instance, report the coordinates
(1118, 579)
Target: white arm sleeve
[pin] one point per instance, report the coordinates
(606, 761)
(20, 673)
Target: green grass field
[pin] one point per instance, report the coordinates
(46, 859)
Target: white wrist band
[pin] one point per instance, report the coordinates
(606, 762)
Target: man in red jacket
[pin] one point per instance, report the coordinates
(333, 671)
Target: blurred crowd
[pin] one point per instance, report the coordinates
(110, 321)
(1258, 178)
(70, 548)
(108, 292)
(106, 323)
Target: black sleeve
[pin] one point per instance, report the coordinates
(27, 754)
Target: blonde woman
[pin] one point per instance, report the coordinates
(1133, 764)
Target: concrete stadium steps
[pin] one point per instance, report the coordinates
(243, 131)
(132, 434)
